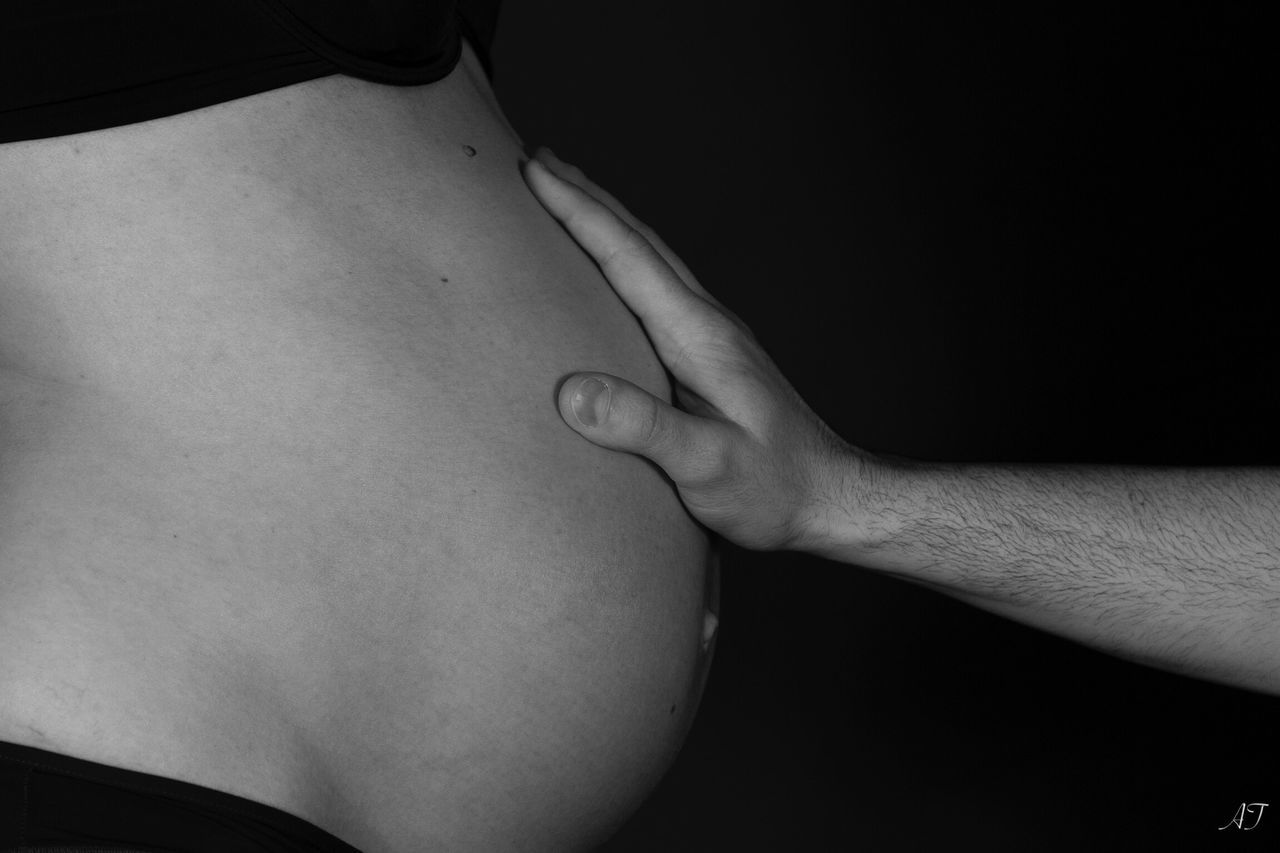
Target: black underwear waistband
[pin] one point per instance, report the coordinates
(48, 799)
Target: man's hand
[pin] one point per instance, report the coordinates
(750, 459)
(1176, 567)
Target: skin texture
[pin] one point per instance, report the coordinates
(286, 508)
(1176, 568)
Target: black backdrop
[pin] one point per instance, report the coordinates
(1030, 235)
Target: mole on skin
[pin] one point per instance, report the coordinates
(471, 152)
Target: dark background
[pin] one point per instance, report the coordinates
(1025, 235)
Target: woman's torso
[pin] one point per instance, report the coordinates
(286, 506)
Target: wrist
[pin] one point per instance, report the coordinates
(856, 508)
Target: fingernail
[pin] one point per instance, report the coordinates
(591, 402)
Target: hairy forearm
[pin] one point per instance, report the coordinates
(1178, 568)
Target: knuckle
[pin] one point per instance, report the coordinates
(717, 462)
(630, 248)
(613, 260)
(635, 242)
(683, 358)
(651, 426)
(574, 219)
(646, 232)
(724, 340)
(742, 326)
(707, 464)
(712, 346)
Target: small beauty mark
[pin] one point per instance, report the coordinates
(1243, 816)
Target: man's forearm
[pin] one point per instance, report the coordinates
(1175, 567)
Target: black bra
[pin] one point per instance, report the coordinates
(69, 66)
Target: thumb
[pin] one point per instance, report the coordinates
(619, 415)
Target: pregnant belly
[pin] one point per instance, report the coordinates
(288, 509)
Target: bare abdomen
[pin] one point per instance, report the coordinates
(288, 509)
